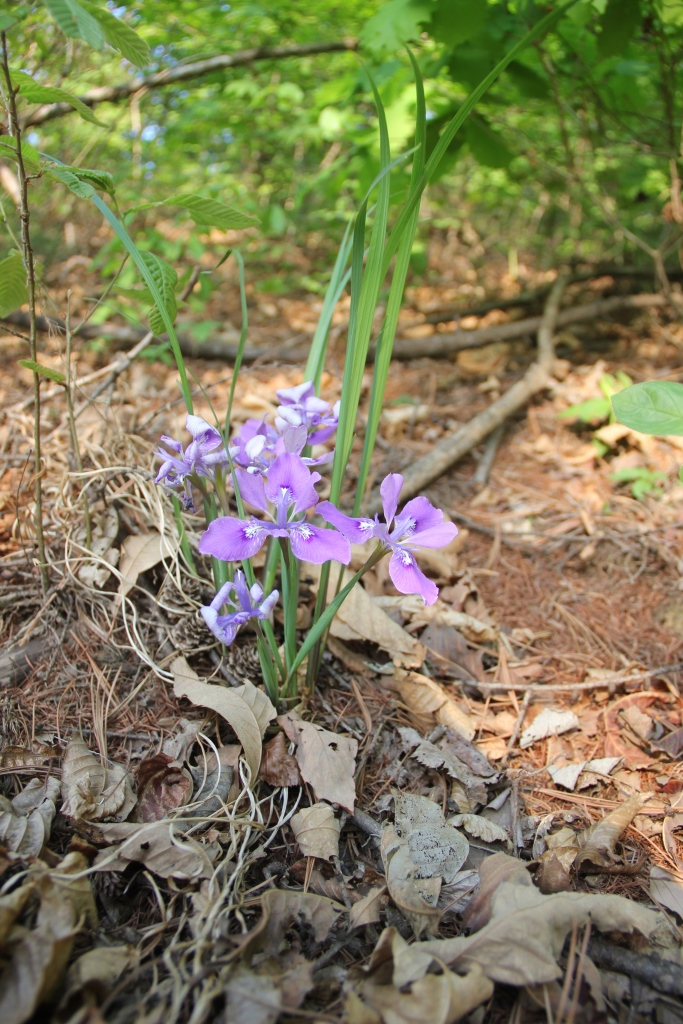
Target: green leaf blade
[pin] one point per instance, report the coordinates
(121, 36)
(653, 407)
(43, 371)
(76, 22)
(165, 279)
(13, 291)
(36, 93)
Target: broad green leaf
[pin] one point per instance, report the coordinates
(487, 145)
(7, 22)
(165, 279)
(83, 189)
(670, 11)
(619, 22)
(31, 156)
(527, 81)
(654, 407)
(35, 93)
(205, 212)
(121, 36)
(44, 371)
(13, 291)
(395, 23)
(76, 22)
(454, 21)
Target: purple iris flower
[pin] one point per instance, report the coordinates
(248, 604)
(258, 444)
(419, 525)
(299, 406)
(289, 488)
(200, 458)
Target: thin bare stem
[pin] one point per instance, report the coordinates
(27, 256)
(72, 423)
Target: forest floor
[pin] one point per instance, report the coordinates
(475, 814)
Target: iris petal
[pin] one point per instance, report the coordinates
(408, 578)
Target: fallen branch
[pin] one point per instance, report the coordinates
(661, 975)
(458, 341)
(451, 449)
(184, 72)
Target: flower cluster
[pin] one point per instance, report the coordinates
(267, 466)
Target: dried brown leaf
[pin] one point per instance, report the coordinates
(317, 831)
(94, 972)
(361, 618)
(494, 870)
(159, 845)
(14, 758)
(550, 722)
(430, 704)
(522, 941)
(396, 988)
(179, 746)
(367, 909)
(25, 821)
(419, 851)
(597, 843)
(92, 791)
(259, 702)
(141, 552)
(225, 702)
(480, 827)
(326, 760)
(279, 767)
(281, 908)
(432, 756)
(162, 786)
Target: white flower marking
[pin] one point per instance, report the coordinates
(252, 530)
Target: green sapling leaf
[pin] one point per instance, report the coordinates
(13, 292)
(120, 35)
(83, 189)
(30, 156)
(76, 22)
(44, 371)
(35, 93)
(653, 407)
(165, 279)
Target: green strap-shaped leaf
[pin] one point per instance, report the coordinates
(654, 407)
(35, 93)
(76, 22)
(13, 291)
(45, 371)
(121, 36)
(31, 156)
(81, 188)
(205, 212)
(165, 279)
(6, 22)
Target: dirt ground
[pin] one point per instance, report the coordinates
(560, 596)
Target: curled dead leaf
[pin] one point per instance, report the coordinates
(278, 767)
(92, 791)
(227, 703)
(317, 831)
(140, 552)
(430, 704)
(162, 786)
(159, 845)
(26, 820)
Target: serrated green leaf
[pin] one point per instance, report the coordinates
(45, 371)
(487, 145)
(165, 279)
(31, 156)
(102, 181)
(455, 21)
(13, 291)
(76, 22)
(205, 212)
(81, 188)
(618, 23)
(654, 407)
(35, 93)
(121, 36)
(395, 23)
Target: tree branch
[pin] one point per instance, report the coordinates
(200, 68)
